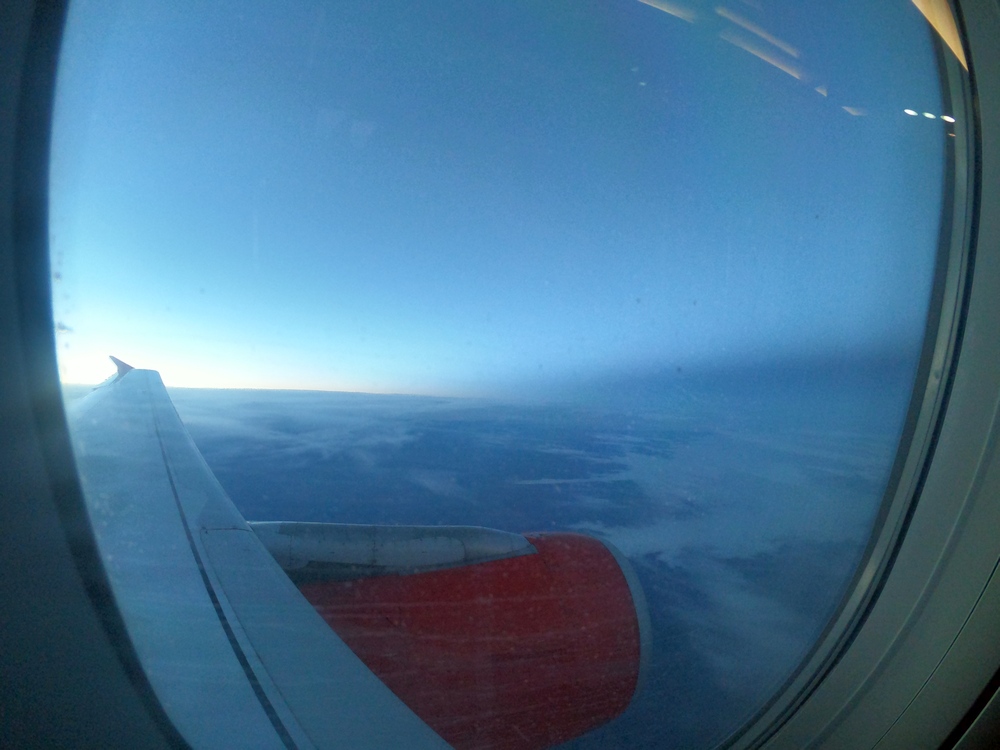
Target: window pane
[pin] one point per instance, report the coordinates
(657, 271)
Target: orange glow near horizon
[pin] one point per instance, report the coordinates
(94, 369)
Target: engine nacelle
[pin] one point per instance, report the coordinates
(525, 651)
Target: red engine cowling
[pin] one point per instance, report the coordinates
(523, 652)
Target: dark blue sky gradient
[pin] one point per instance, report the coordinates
(482, 198)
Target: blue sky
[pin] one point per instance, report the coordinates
(481, 198)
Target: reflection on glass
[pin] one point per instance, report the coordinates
(654, 271)
(939, 15)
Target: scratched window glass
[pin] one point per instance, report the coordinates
(640, 286)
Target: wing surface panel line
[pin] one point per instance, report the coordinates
(265, 702)
(234, 652)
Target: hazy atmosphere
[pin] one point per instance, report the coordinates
(656, 271)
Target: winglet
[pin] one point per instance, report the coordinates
(123, 367)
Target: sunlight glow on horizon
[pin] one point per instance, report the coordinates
(96, 370)
(257, 221)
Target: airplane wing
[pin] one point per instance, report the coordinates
(293, 635)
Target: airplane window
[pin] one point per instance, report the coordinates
(658, 272)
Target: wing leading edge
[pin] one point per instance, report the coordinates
(298, 635)
(236, 655)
